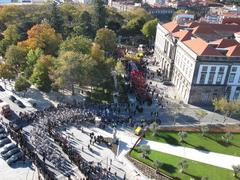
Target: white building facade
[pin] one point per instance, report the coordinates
(199, 70)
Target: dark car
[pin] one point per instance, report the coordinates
(20, 104)
(12, 98)
(168, 83)
(10, 153)
(2, 89)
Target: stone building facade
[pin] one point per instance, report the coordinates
(202, 61)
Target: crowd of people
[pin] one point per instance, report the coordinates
(43, 142)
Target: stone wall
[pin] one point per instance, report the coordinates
(204, 95)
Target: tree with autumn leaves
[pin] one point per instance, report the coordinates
(44, 37)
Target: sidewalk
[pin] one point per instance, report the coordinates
(215, 159)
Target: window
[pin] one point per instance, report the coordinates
(220, 75)
(203, 77)
(166, 46)
(211, 75)
(231, 77)
(204, 68)
(234, 69)
(239, 80)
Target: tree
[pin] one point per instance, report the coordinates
(154, 128)
(100, 14)
(7, 72)
(43, 36)
(228, 108)
(22, 84)
(182, 136)
(73, 68)
(41, 73)
(227, 137)
(78, 44)
(236, 170)
(157, 164)
(106, 38)
(16, 57)
(204, 130)
(84, 25)
(119, 68)
(183, 165)
(145, 150)
(56, 20)
(32, 57)
(11, 36)
(200, 114)
(149, 29)
(133, 27)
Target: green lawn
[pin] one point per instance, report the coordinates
(212, 141)
(195, 169)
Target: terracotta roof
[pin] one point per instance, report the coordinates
(171, 26)
(233, 51)
(224, 43)
(201, 48)
(215, 27)
(203, 30)
(231, 20)
(183, 35)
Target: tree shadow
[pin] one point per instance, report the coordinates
(170, 140)
(202, 148)
(169, 168)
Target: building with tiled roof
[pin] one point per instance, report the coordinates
(202, 60)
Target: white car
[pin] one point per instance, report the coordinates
(4, 141)
(7, 148)
(14, 158)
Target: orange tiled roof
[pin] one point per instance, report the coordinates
(201, 48)
(215, 27)
(171, 26)
(183, 35)
(224, 43)
(233, 51)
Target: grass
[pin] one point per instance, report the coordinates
(211, 142)
(195, 169)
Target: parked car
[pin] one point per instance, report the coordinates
(8, 147)
(14, 158)
(10, 153)
(12, 98)
(168, 83)
(4, 141)
(2, 89)
(20, 104)
(3, 135)
(2, 130)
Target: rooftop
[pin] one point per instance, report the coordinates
(207, 39)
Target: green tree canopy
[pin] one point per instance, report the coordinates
(56, 19)
(11, 36)
(100, 14)
(41, 73)
(78, 44)
(32, 57)
(73, 68)
(149, 29)
(106, 38)
(22, 84)
(84, 25)
(16, 57)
